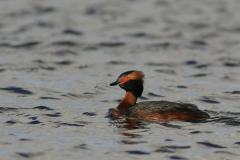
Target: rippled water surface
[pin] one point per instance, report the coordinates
(58, 58)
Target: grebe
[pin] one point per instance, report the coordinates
(132, 83)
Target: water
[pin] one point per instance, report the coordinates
(59, 57)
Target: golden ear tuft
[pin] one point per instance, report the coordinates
(136, 75)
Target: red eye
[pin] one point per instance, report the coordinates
(124, 80)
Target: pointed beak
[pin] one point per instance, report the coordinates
(114, 83)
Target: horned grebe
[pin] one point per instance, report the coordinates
(132, 83)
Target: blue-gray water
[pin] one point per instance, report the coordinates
(58, 58)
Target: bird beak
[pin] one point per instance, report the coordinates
(114, 83)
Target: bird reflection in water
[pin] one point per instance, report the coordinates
(127, 124)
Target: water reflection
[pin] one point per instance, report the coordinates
(226, 118)
(126, 125)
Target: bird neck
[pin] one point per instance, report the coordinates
(128, 100)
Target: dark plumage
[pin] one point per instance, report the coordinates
(150, 107)
(133, 86)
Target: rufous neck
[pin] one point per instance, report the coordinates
(128, 100)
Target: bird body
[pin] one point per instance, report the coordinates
(132, 83)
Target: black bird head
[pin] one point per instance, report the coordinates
(131, 81)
